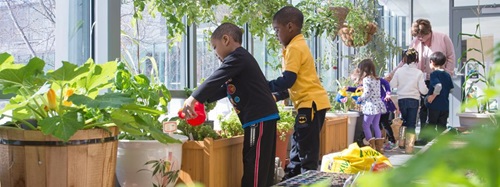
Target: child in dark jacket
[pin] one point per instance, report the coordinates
(241, 80)
(437, 100)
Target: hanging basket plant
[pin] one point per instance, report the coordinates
(353, 37)
(340, 14)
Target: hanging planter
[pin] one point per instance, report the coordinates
(339, 13)
(356, 38)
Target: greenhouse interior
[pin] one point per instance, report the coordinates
(228, 93)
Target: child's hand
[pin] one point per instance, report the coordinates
(431, 98)
(188, 108)
(387, 97)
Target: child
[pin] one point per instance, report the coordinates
(410, 84)
(437, 99)
(241, 80)
(385, 95)
(304, 88)
(371, 105)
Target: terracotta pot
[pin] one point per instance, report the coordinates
(282, 147)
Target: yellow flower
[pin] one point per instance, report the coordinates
(51, 97)
(69, 92)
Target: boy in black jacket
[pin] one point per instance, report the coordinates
(241, 80)
(437, 99)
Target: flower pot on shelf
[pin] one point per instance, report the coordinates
(131, 167)
(333, 135)
(30, 158)
(212, 162)
(472, 119)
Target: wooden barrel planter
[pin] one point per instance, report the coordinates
(30, 158)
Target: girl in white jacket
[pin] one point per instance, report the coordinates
(409, 81)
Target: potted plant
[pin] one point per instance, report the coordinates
(212, 158)
(476, 89)
(55, 110)
(321, 17)
(139, 149)
(284, 129)
(354, 22)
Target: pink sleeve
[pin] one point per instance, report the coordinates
(450, 55)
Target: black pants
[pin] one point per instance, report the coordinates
(437, 122)
(259, 150)
(304, 153)
(385, 123)
(423, 115)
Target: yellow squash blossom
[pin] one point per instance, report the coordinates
(69, 92)
(51, 96)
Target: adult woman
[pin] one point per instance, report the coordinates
(425, 43)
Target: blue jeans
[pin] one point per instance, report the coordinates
(409, 111)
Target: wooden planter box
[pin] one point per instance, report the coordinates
(214, 163)
(29, 158)
(333, 136)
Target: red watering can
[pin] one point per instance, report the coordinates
(200, 119)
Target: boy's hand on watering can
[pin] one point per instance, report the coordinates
(188, 108)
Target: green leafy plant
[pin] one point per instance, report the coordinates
(197, 133)
(162, 172)
(68, 99)
(286, 122)
(230, 126)
(320, 17)
(477, 74)
(144, 93)
(240, 12)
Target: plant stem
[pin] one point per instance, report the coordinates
(37, 112)
(25, 91)
(94, 125)
(23, 121)
(92, 119)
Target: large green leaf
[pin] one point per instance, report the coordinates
(62, 127)
(122, 117)
(113, 100)
(6, 61)
(18, 77)
(142, 80)
(100, 76)
(162, 137)
(68, 72)
(139, 108)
